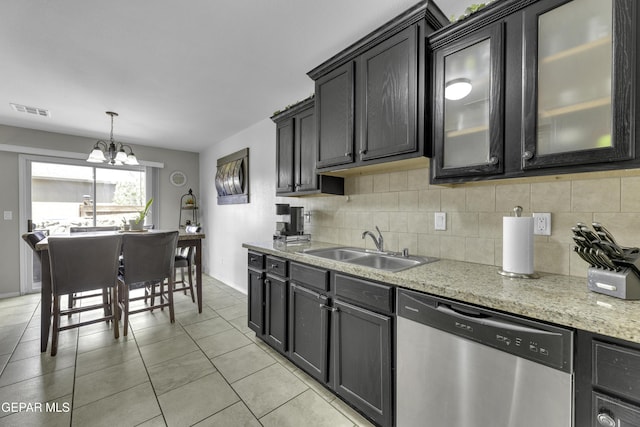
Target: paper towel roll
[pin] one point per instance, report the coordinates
(517, 244)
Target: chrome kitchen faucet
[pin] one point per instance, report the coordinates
(379, 241)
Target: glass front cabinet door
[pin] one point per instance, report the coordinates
(468, 105)
(578, 94)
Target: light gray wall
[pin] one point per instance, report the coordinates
(10, 232)
(228, 226)
(9, 236)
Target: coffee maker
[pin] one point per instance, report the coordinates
(292, 220)
(290, 228)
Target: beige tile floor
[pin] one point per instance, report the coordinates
(206, 369)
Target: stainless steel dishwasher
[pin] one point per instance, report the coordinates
(462, 366)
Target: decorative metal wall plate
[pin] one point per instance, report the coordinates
(232, 178)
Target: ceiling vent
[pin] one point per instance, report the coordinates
(31, 110)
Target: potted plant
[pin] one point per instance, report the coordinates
(138, 223)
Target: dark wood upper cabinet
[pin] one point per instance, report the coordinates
(578, 82)
(284, 156)
(334, 111)
(369, 97)
(469, 128)
(568, 85)
(296, 154)
(304, 162)
(387, 78)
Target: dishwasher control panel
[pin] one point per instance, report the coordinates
(547, 344)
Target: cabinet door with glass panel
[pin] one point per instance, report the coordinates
(578, 95)
(468, 105)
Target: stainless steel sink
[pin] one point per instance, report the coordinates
(380, 260)
(337, 254)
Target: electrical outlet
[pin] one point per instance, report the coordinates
(542, 224)
(440, 221)
(8, 215)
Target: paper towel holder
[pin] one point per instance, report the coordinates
(517, 212)
(518, 275)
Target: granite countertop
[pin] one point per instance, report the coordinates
(563, 300)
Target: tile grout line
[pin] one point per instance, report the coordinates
(146, 369)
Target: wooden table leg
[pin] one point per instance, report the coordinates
(45, 301)
(198, 261)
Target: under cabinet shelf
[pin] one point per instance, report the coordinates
(575, 108)
(577, 50)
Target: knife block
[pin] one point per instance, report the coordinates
(624, 284)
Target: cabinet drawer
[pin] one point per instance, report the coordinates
(364, 293)
(310, 276)
(276, 266)
(255, 260)
(617, 369)
(608, 411)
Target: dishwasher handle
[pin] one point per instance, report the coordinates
(465, 312)
(487, 320)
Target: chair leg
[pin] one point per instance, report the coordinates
(152, 286)
(193, 298)
(56, 324)
(170, 289)
(161, 286)
(114, 311)
(125, 322)
(70, 302)
(107, 304)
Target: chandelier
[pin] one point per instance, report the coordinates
(112, 152)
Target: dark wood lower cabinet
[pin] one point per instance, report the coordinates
(337, 328)
(607, 382)
(255, 312)
(362, 365)
(610, 412)
(275, 327)
(309, 331)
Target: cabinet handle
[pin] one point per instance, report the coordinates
(363, 151)
(347, 154)
(527, 155)
(493, 160)
(606, 420)
(274, 266)
(331, 309)
(298, 185)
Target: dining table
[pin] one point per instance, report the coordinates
(186, 239)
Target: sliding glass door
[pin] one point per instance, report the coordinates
(64, 194)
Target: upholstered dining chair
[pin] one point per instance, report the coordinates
(182, 260)
(73, 298)
(33, 238)
(147, 258)
(80, 264)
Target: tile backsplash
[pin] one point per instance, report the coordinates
(403, 203)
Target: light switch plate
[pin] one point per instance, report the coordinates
(542, 224)
(440, 221)
(8, 215)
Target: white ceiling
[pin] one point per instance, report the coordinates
(181, 74)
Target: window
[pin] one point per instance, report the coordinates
(73, 194)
